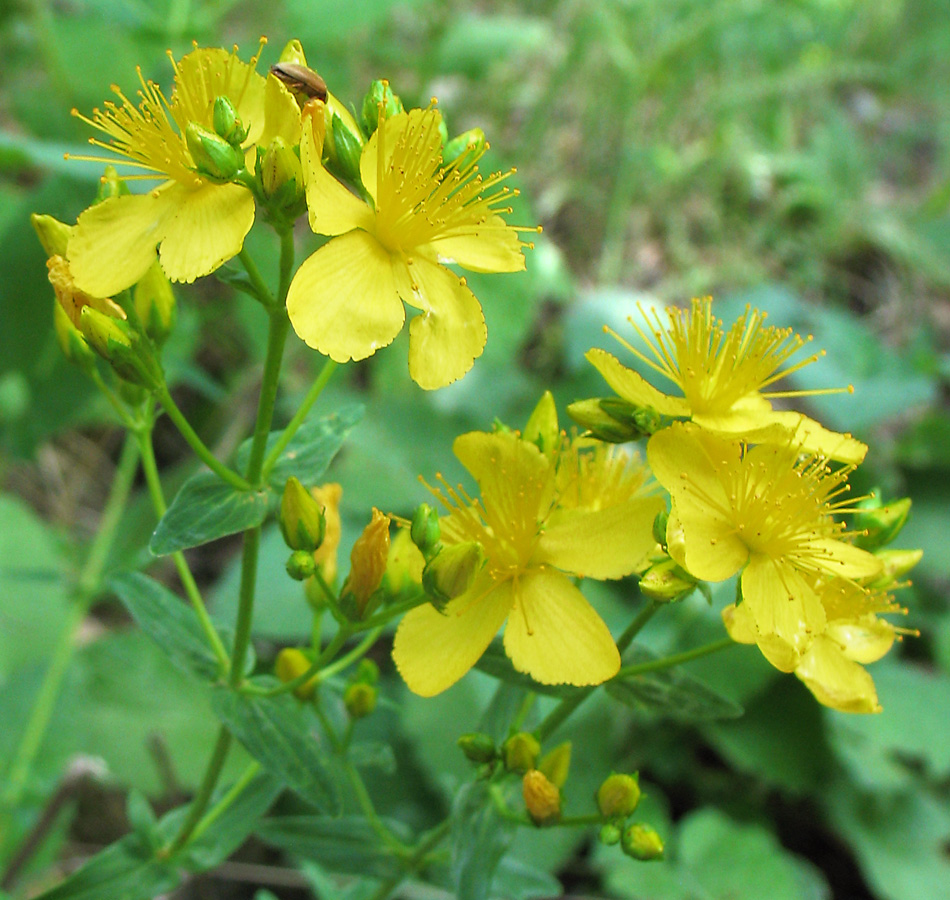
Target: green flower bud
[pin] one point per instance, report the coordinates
(155, 305)
(343, 148)
(226, 123)
(71, 341)
(450, 573)
(111, 185)
(618, 796)
(116, 342)
(213, 156)
(521, 752)
(301, 518)
(367, 672)
(590, 414)
(300, 565)
(556, 764)
(425, 531)
(542, 428)
(380, 94)
(665, 581)
(291, 663)
(882, 523)
(896, 564)
(659, 527)
(478, 747)
(641, 842)
(281, 177)
(644, 420)
(542, 799)
(464, 148)
(53, 234)
(359, 700)
(609, 834)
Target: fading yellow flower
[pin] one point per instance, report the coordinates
(328, 496)
(346, 300)
(532, 547)
(195, 222)
(763, 510)
(723, 376)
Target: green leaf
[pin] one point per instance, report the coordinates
(516, 880)
(310, 451)
(141, 817)
(495, 662)
(126, 870)
(206, 509)
(373, 755)
(168, 621)
(276, 733)
(479, 840)
(347, 845)
(670, 692)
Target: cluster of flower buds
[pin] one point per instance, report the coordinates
(617, 799)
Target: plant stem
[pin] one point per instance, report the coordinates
(387, 615)
(154, 483)
(203, 797)
(245, 613)
(329, 367)
(225, 802)
(417, 859)
(86, 588)
(636, 626)
(254, 276)
(366, 805)
(196, 444)
(668, 662)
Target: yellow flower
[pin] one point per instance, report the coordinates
(532, 546)
(346, 300)
(831, 665)
(196, 222)
(763, 510)
(722, 376)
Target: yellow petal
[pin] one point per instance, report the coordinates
(782, 602)
(604, 543)
(845, 560)
(432, 651)
(333, 208)
(554, 634)
(815, 438)
(343, 299)
(114, 243)
(208, 229)
(490, 246)
(281, 114)
(633, 387)
(446, 338)
(865, 640)
(740, 624)
(837, 681)
(419, 129)
(513, 475)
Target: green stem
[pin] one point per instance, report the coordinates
(591, 819)
(154, 483)
(196, 444)
(120, 408)
(86, 589)
(329, 367)
(636, 626)
(225, 802)
(203, 797)
(366, 805)
(254, 275)
(415, 861)
(387, 615)
(668, 662)
(523, 711)
(245, 613)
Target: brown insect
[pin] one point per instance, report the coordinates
(300, 79)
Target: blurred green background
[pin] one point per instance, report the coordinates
(791, 155)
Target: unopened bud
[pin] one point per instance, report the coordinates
(478, 747)
(521, 752)
(301, 518)
(71, 341)
(659, 527)
(665, 581)
(291, 663)
(556, 764)
(542, 799)
(450, 573)
(643, 420)
(542, 428)
(881, 524)
(368, 562)
(895, 564)
(464, 149)
(609, 834)
(53, 234)
(367, 672)
(280, 174)
(116, 342)
(359, 699)
(155, 305)
(425, 531)
(226, 123)
(590, 415)
(343, 149)
(642, 842)
(379, 98)
(405, 564)
(300, 565)
(213, 156)
(618, 796)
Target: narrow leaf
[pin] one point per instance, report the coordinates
(275, 732)
(206, 509)
(479, 841)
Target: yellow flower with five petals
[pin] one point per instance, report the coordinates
(532, 548)
(346, 300)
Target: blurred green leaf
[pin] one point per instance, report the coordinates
(275, 731)
(168, 621)
(373, 755)
(205, 509)
(479, 839)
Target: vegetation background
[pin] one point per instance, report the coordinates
(792, 155)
